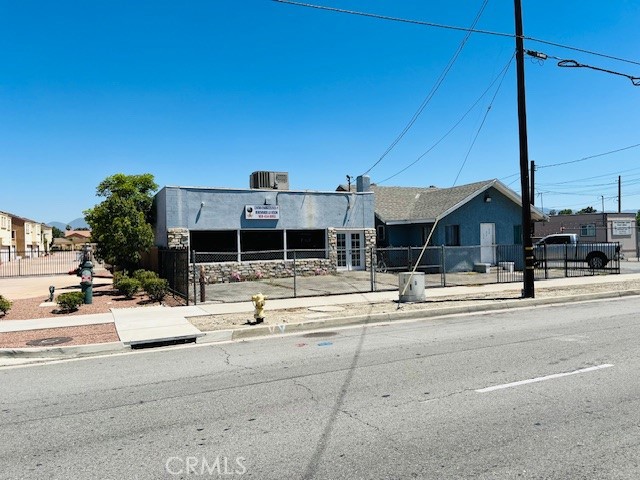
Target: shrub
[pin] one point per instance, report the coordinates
(5, 305)
(117, 276)
(70, 301)
(143, 275)
(128, 286)
(156, 288)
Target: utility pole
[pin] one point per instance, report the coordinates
(527, 245)
(619, 194)
(532, 171)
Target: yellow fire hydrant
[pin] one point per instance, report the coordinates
(258, 302)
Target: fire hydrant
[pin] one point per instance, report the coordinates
(258, 301)
(86, 281)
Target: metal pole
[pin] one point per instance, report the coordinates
(373, 268)
(443, 266)
(295, 290)
(527, 244)
(195, 291)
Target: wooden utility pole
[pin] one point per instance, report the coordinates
(619, 194)
(532, 172)
(527, 245)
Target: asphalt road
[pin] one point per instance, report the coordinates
(408, 400)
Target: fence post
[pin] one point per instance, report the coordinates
(546, 262)
(566, 262)
(295, 273)
(443, 266)
(195, 291)
(372, 267)
(203, 296)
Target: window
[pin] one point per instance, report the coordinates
(452, 235)
(381, 232)
(262, 244)
(588, 230)
(3, 222)
(517, 234)
(306, 243)
(216, 243)
(305, 240)
(27, 228)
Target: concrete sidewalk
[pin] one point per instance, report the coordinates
(136, 326)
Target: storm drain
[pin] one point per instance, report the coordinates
(45, 342)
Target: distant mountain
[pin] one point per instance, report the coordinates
(75, 224)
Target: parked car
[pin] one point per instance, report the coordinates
(567, 247)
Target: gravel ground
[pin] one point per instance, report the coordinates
(273, 317)
(65, 336)
(104, 299)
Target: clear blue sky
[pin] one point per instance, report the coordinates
(202, 93)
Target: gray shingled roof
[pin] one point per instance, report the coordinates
(419, 204)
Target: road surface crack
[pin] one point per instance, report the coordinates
(227, 361)
(364, 422)
(297, 383)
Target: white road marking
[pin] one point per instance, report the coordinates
(541, 379)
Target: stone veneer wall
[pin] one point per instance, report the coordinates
(178, 238)
(218, 272)
(224, 272)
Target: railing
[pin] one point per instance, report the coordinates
(28, 263)
(221, 277)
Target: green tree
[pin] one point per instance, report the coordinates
(57, 233)
(587, 210)
(553, 212)
(638, 218)
(121, 224)
(565, 211)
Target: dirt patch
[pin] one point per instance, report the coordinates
(104, 299)
(83, 335)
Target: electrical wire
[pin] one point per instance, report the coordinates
(589, 157)
(433, 91)
(500, 76)
(451, 27)
(574, 64)
(486, 114)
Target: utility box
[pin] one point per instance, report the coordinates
(412, 285)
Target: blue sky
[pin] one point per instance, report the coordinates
(202, 93)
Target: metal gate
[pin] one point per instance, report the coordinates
(174, 266)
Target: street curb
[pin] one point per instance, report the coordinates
(63, 352)
(279, 330)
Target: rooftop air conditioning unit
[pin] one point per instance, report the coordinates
(270, 180)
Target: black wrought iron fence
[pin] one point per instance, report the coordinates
(234, 277)
(174, 266)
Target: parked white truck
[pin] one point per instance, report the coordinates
(567, 246)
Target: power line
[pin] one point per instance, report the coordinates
(486, 114)
(589, 157)
(574, 64)
(451, 27)
(433, 91)
(500, 75)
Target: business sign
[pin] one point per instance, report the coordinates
(261, 212)
(622, 228)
